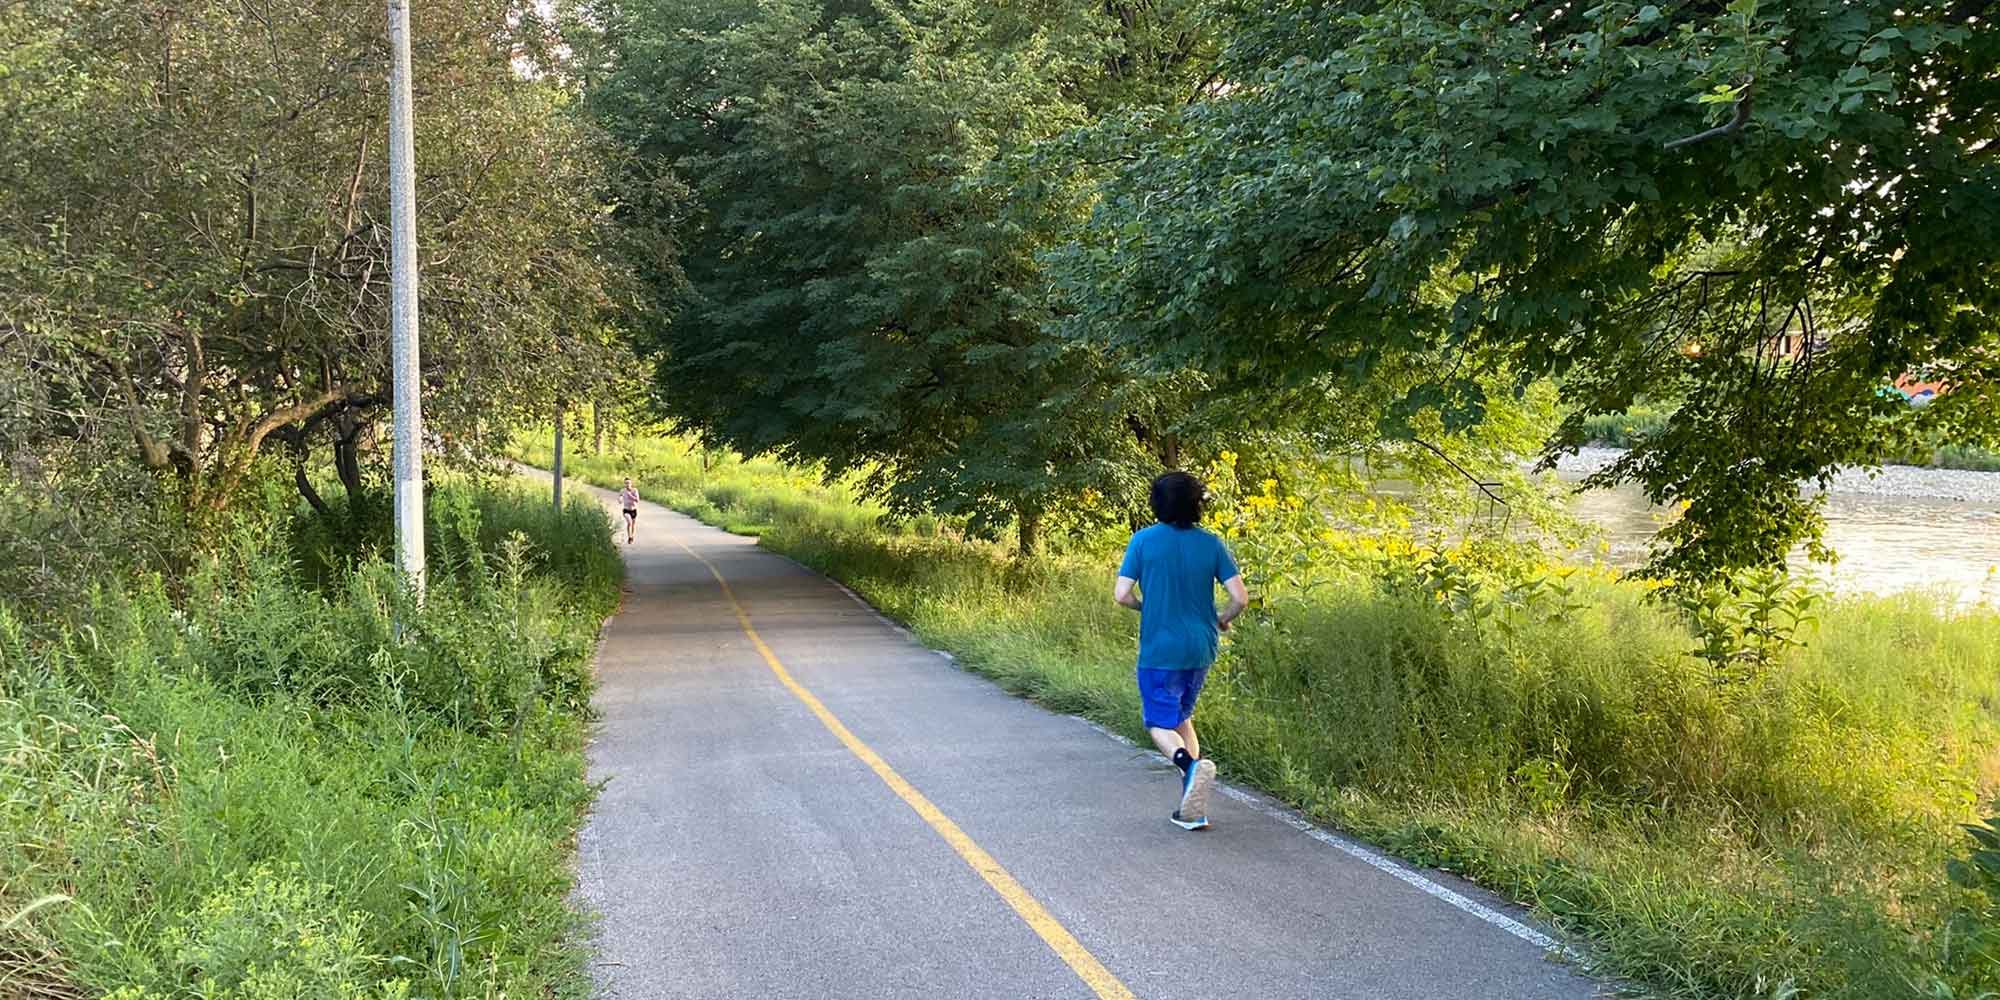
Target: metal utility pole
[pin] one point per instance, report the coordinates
(559, 453)
(403, 304)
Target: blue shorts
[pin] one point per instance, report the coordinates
(1167, 696)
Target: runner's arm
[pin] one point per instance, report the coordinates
(1239, 598)
(1124, 594)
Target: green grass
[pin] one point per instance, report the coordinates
(1623, 430)
(1967, 457)
(1706, 834)
(276, 778)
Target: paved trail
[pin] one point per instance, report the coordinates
(801, 802)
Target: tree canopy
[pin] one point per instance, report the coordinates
(193, 229)
(1008, 256)
(1763, 213)
(1003, 253)
(860, 287)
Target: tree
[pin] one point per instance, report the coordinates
(861, 287)
(193, 230)
(1763, 211)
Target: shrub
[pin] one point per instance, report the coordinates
(1971, 954)
(282, 783)
(271, 936)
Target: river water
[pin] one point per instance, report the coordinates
(1902, 528)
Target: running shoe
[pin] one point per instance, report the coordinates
(1195, 788)
(1197, 823)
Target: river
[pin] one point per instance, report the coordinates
(1902, 528)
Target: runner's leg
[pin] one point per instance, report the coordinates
(1187, 738)
(1200, 774)
(1190, 692)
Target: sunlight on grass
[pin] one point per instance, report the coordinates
(1709, 835)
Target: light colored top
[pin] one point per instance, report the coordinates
(630, 497)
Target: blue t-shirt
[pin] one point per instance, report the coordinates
(1177, 570)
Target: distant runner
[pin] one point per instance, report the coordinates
(629, 498)
(1175, 565)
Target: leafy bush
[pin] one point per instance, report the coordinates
(270, 937)
(1746, 622)
(62, 536)
(292, 783)
(1972, 951)
(1964, 456)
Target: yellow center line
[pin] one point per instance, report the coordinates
(1052, 932)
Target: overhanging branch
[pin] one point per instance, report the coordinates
(1733, 125)
(1484, 487)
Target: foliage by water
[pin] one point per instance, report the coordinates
(1624, 430)
(277, 778)
(1757, 800)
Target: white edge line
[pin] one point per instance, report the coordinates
(1290, 817)
(1402, 873)
(1374, 859)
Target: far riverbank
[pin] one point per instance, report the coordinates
(1898, 528)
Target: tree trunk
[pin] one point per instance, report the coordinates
(152, 451)
(347, 453)
(597, 427)
(306, 490)
(1166, 446)
(1029, 524)
(193, 385)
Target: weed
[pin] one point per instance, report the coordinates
(253, 785)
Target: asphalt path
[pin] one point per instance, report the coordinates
(800, 801)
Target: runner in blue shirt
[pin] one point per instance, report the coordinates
(1175, 566)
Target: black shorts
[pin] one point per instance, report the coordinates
(632, 512)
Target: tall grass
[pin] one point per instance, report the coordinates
(279, 778)
(1624, 430)
(1708, 833)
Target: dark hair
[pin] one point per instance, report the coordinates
(1177, 499)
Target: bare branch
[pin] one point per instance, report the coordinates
(1484, 487)
(151, 451)
(1733, 125)
(1202, 90)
